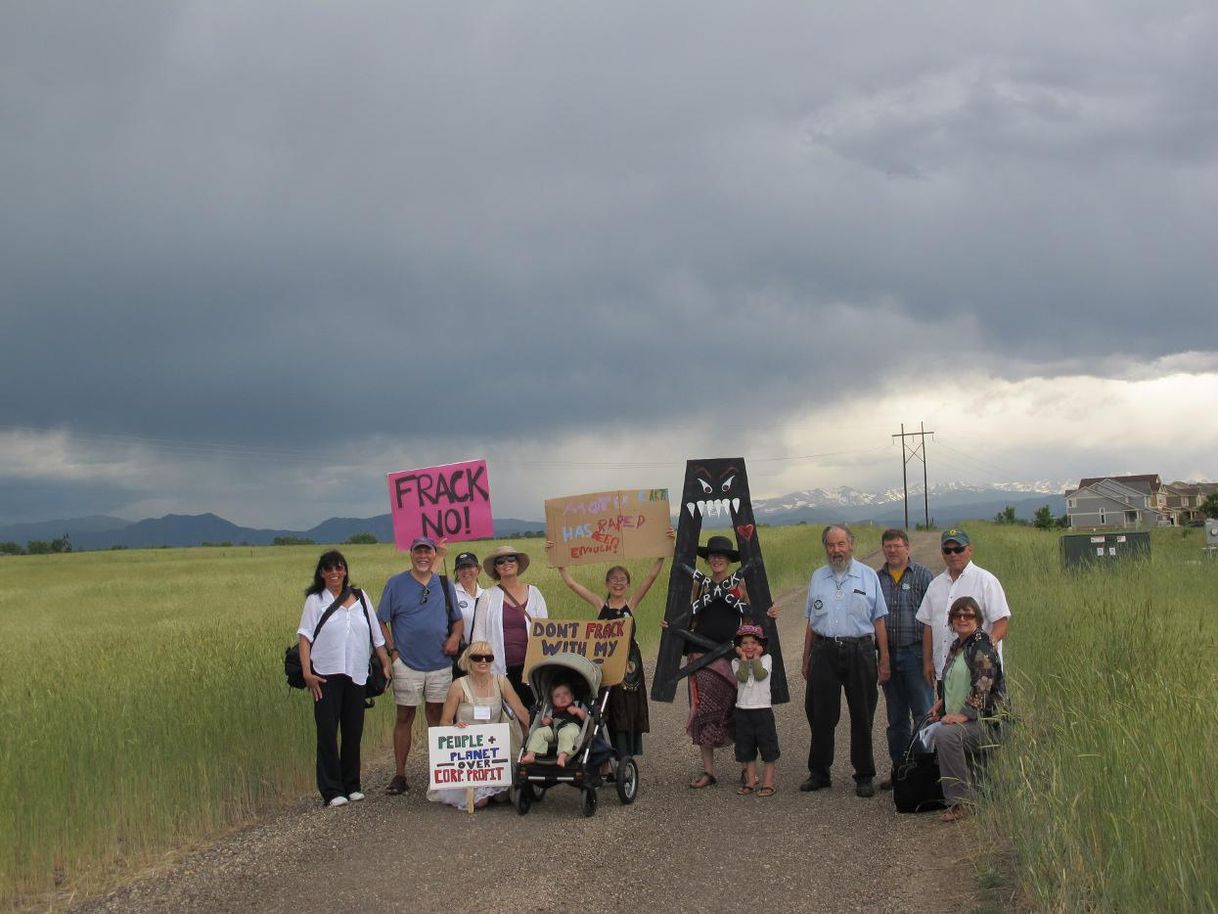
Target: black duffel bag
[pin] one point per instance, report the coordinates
(915, 778)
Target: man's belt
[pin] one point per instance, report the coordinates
(841, 639)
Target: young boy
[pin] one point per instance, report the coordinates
(561, 726)
(755, 730)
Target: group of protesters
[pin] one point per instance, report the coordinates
(933, 643)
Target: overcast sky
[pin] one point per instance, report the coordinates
(256, 255)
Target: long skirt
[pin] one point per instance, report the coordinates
(712, 696)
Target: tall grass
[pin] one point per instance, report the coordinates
(1106, 791)
(143, 704)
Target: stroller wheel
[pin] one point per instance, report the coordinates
(627, 780)
(589, 804)
(524, 799)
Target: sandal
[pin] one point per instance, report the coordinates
(766, 792)
(397, 786)
(705, 779)
(955, 814)
(745, 790)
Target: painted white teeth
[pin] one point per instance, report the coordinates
(691, 506)
(702, 508)
(735, 504)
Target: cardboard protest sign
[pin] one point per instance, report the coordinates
(608, 527)
(474, 756)
(453, 501)
(606, 643)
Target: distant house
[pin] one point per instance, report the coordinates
(1186, 499)
(1126, 502)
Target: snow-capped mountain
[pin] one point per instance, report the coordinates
(949, 503)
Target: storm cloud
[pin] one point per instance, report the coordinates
(343, 239)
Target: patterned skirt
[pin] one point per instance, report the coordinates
(712, 697)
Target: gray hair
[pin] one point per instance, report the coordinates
(824, 536)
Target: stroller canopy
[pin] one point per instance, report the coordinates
(583, 675)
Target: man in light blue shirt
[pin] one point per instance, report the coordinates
(846, 629)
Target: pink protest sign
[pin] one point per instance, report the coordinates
(452, 501)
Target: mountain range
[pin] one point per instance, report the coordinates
(951, 503)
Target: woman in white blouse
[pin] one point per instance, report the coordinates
(337, 637)
(504, 613)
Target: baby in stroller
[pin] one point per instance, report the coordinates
(561, 726)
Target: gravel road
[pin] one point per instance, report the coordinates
(683, 850)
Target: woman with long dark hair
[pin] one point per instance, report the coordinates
(338, 634)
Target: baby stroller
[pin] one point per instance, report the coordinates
(592, 750)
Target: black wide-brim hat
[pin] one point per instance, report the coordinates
(719, 545)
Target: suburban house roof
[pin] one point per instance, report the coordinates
(1143, 482)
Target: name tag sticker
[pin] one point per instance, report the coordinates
(905, 586)
(482, 712)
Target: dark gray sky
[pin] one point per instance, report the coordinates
(256, 255)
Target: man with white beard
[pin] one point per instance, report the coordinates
(846, 628)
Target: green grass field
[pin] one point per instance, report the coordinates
(1105, 796)
(143, 702)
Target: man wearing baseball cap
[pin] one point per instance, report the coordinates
(422, 624)
(960, 578)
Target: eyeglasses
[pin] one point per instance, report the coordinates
(425, 595)
(505, 559)
(338, 567)
(953, 550)
(955, 616)
(482, 658)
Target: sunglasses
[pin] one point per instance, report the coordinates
(482, 658)
(426, 593)
(953, 550)
(339, 567)
(955, 616)
(505, 559)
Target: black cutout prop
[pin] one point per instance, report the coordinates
(717, 489)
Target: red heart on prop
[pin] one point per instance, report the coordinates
(746, 530)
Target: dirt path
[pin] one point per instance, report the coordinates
(707, 850)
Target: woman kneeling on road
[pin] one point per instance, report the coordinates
(482, 697)
(334, 657)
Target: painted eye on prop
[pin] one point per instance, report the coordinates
(706, 487)
(727, 484)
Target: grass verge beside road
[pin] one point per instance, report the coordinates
(1105, 795)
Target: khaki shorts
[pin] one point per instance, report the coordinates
(410, 687)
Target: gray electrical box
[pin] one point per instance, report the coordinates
(1211, 532)
(1082, 549)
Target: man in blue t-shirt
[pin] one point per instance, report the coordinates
(422, 628)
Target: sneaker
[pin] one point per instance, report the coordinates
(886, 784)
(813, 783)
(338, 801)
(355, 796)
(864, 788)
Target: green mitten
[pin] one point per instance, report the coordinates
(742, 671)
(759, 671)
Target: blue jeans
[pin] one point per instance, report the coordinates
(907, 697)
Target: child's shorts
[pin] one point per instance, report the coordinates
(755, 732)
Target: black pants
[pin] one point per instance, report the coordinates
(341, 707)
(833, 667)
(515, 675)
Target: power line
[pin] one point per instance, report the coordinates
(911, 452)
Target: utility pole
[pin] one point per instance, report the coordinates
(911, 451)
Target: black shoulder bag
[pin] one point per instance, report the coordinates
(376, 682)
(291, 655)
